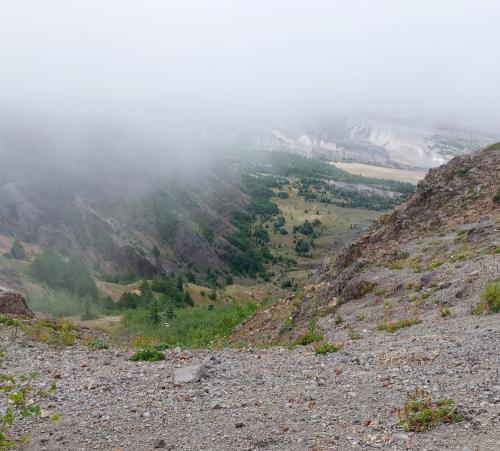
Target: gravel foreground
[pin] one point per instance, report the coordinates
(272, 399)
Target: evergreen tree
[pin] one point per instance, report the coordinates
(154, 313)
(17, 251)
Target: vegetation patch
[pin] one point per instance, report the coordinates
(420, 412)
(444, 312)
(97, 344)
(396, 325)
(307, 338)
(9, 321)
(490, 299)
(147, 355)
(200, 326)
(326, 348)
(22, 398)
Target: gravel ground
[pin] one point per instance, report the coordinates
(276, 399)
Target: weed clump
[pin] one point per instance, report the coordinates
(445, 312)
(420, 412)
(326, 348)
(396, 325)
(490, 299)
(97, 344)
(147, 355)
(307, 338)
(9, 321)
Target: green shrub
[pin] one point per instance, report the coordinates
(326, 348)
(307, 338)
(445, 312)
(147, 355)
(420, 412)
(97, 343)
(490, 299)
(396, 325)
(9, 321)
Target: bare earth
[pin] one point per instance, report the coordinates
(276, 399)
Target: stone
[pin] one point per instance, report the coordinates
(160, 444)
(400, 438)
(192, 373)
(13, 303)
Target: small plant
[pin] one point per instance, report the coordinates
(396, 325)
(444, 311)
(203, 293)
(387, 304)
(339, 319)
(9, 321)
(307, 338)
(326, 348)
(380, 292)
(147, 355)
(420, 412)
(435, 264)
(97, 343)
(22, 398)
(285, 327)
(490, 299)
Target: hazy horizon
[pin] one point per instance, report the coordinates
(173, 63)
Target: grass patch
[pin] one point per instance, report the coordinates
(420, 412)
(307, 338)
(55, 332)
(147, 355)
(97, 344)
(490, 299)
(396, 325)
(200, 326)
(9, 321)
(444, 312)
(326, 348)
(435, 264)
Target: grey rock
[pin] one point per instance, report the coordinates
(192, 373)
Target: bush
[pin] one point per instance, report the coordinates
(307, 338)
(420, 412)
(490, 299)
(326, 348)
(147, 355)
(97, 343)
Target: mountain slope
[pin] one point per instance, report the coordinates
(436, 250)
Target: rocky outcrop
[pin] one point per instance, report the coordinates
(13, 303)
(459, 192)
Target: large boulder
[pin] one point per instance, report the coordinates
(13, 303)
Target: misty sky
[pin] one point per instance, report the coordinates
(153, 59)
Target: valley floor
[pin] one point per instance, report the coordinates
(275, 399)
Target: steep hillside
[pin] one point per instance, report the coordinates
(435, 251)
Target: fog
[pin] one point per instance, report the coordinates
(162, 64)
